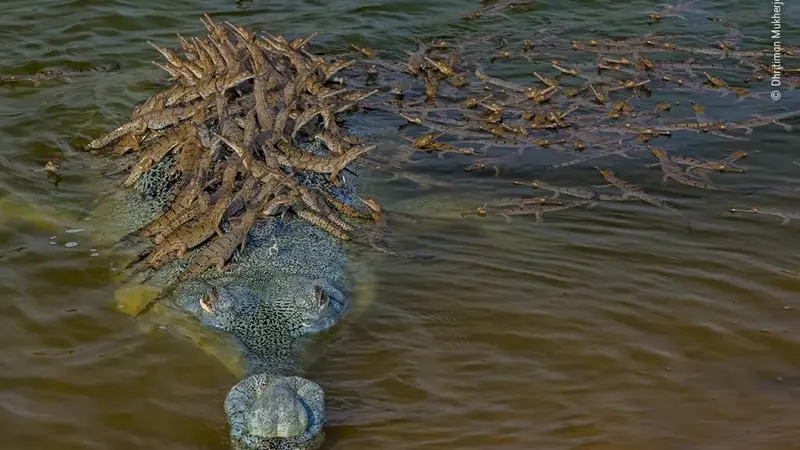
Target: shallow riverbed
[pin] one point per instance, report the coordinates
(606, 328)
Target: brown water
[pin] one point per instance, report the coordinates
(609, 328)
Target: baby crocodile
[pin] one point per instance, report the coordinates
(786, 216)
(578, 192)
(536, 209)
(191, 195)
(190, 156)
(748, 125)
(262, 84)
(336, 143)
(217, 253)
(323, 223)
(128, 143)
(493, 205)
(699, 164)
(158, 150)
(156, 120)
(483, 165)
(310, 113)
(737, 155)
(189, 70)
(206, 88)
(178, 243)
(518, 201)
(441, 148)
(306, 161)
(499, 82)
(673, 171)
(184, 210)
(631, 190)
(43, 75)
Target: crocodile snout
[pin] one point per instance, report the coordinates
(268, 411)
(278, 412)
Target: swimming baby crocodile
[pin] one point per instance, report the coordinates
(673, 171)
(630, 190)
(785, 215)
(694, 164)
(578, 192)
(536, 207)
(56, 74)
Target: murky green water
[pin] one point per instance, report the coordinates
(610, 328)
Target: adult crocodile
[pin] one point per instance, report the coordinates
(291, 281)
(231, 157)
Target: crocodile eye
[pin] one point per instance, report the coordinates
(322, 298)
(209, 298)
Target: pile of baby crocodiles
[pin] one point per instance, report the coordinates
(241, 108)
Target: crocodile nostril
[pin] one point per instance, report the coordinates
(322, 298)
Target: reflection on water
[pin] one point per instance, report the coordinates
(606, 328)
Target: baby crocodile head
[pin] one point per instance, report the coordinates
(604, 172)
(657, 152)
(722, 167)
(480, 212)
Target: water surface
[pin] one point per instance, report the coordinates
(610, 328)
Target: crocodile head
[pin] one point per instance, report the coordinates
(270, 321)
